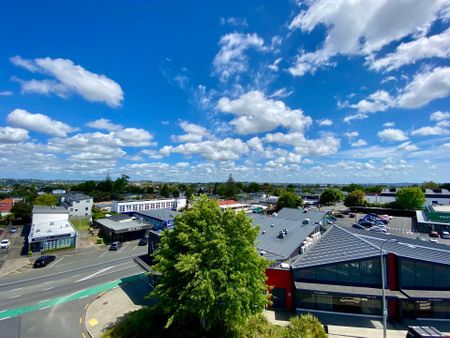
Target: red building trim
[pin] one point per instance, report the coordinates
(393, 311)
(282, 278)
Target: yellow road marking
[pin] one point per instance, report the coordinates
(86, 306)
(93, 322)
(83, 335)
(81, 320)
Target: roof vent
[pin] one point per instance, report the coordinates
(262, 253)
(264, 231)
(272, 225)
(281, 234)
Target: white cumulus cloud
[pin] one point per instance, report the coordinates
(104, 124)
(12, 135)
(392, 134)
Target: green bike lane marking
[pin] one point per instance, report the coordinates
(68, 298)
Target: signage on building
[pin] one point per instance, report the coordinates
(38, 239)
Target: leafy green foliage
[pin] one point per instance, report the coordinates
(164, 191)
(353, 187)
(22, 212)
(411, 198)
(331, 196)
(355, 198)
(305, 326)
(374, 189)
(211, 271)
(46, 199)
(228, 190)
(429, 185)
(288, 199)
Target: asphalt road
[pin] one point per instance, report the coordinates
(69, 274)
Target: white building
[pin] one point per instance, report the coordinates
(51, 229)
(78, 205)
(58, 192)
(167, 203)
(232, 204)
(442, 196)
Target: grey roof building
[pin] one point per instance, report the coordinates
(280, 248)
(121, 227)
(300, 215)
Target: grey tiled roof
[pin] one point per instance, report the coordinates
(277, 248)
(299, 215)
(44, 209)
(336, 245)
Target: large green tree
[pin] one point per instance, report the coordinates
(289, 199)
(331, 196)
(411, 198)
(429, 185)
(22, 212)
(45, 199)
(353, 187)
(211, 272)
(354, 198)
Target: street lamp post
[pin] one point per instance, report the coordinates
(383, 277)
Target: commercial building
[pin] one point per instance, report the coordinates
(433, 217)
(234, 205)
(6, 206)
(121, 228)
(168, 203)
(341, 273)
(78, 205)
(280, 239)
(159, 219)
(439, 196)
(104, 206)
(51, 229)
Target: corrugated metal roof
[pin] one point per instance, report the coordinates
(336, 245)
(280, 248)
(161, 214)
(299, 215)
(340, 245)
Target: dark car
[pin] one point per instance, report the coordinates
(143, 241)
(115, 246)
(434, 234)
(424, 332)
(374, 219)
(43, 261)
(358, 226)
(366, 223)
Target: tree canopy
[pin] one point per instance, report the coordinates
(411, 198)
(22, 212)
(355, 198)
(288, 199)
(211, 272)
(353, 187)
(331, 196)
(429, 185)
(45, 199)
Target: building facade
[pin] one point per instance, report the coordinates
(130, 206)
(159, 219)
(51, 229)
(78, 205)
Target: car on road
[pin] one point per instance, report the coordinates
(13, 230)
(115, 246)
(143, 241)
(358, 226)
(424, 332)
(43, 261)
(4, 244)
(434, 234)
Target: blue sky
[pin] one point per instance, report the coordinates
(270, 91)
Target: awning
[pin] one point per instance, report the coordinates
(347, 290)
(427, 294)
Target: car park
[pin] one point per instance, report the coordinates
(358, 226)
(4, 244)
(143, 241)
(43, 261)
(375, 218)
(365, 222)
(115, 246)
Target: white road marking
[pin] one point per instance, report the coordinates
(44, 300)
(15, 289)
(83, 297)
(95, 274)
(59, 260)
(75, 275)
(135, 248)
(52, 287)
(104, 253)
(45, 308)
(5, 318)
(15, 296)
(4, 311)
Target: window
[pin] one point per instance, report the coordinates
(86, 208)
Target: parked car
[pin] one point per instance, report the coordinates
(375, 218)
(378, 229)
(43, 261)
(365, 222)
(386, 217)
(380, 224)
(143, 241)
(445, 235)
(332, 218)
(424, 332)
(434, 240)
(358, 226)
(13, 230)
(434, 234)
(4, 244)
(115, 246)
(352, 215)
